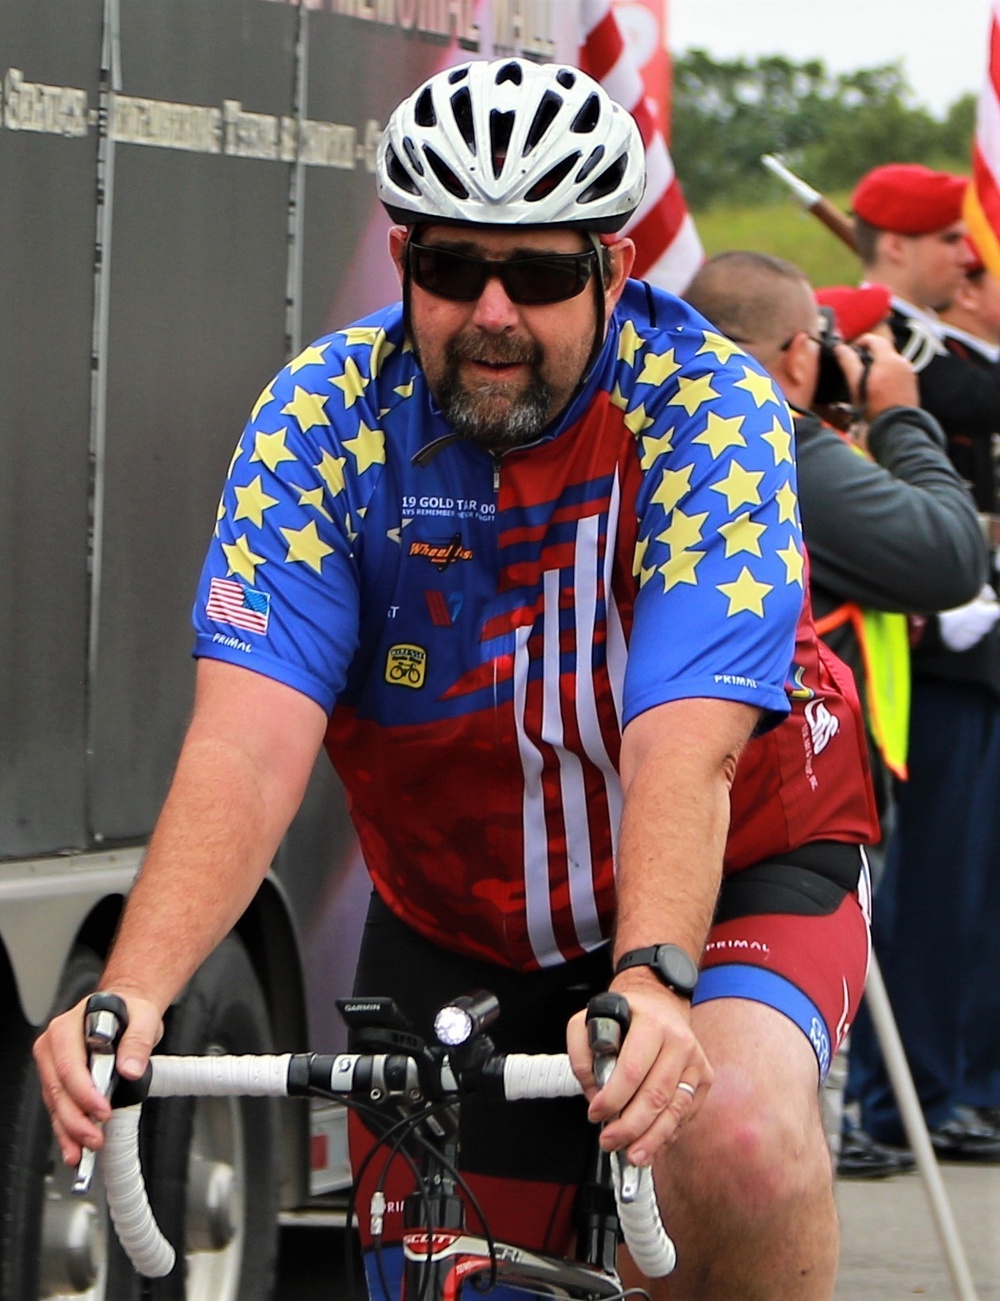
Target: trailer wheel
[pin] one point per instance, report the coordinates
(213, 1161)
(53, 1244)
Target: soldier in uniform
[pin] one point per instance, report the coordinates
(935, 896)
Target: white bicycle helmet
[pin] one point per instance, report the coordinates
(511, 143)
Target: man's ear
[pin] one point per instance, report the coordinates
(622, 260)
(796, 365)
(397, 248)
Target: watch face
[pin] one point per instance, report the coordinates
(676, 968)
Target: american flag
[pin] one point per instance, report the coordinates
(668, 249)
(982, 200)
(242, 607)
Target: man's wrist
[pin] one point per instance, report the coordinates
(670, 964)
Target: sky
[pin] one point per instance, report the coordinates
(940, 43)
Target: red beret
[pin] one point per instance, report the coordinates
(857, 310)
(909, 199)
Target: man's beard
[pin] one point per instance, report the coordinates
(489, 414)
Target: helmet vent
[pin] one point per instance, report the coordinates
(501, 129)
(423, 110)
(461, 106)
(413, 156)
(588, 117)
(543, 119)
(566, 78)
(607, 182)
(595, 157)
(445, 175)
(510, 72)
(398, 173)
(457, 75)
(547, 183)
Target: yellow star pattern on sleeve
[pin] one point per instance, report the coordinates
(355, 334)
(265, 397)
(683, 531)
(367, 448)
(307, 409)
(636, 420)
(306, 545)
(692, 393)
(252, 501)
(331, 471)
(654, 447)
(629, 343)
(314, 497)
(787, 501)
(236, 456)
(680, 569)
(310, 356)
(742, 534)
(719, 346)
(404, 390)
(794, 563)
(745, 593)
(721, 433)
(760, 388)
(740, 487)
(241, 558)
(641, 546)
(658, 369)
(271, 449)
(674, 486)
(351, 383)
(781, 442)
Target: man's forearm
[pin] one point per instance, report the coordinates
(211, 848)
(675, 823)
(243, 769)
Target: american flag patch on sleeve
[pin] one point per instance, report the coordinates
(243, 607)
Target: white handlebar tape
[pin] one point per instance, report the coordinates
(220, 1076)
(537, 1075)
(128, 1205)
(648, 1241)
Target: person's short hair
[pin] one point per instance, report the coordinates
(866, 238)
(741, 292)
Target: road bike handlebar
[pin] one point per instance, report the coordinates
(513, 1076)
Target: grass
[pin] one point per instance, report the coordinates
(785, 230)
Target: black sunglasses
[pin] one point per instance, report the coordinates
(529, 281)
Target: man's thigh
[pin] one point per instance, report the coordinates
(795, 942)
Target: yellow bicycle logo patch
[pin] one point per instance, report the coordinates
(406, 666)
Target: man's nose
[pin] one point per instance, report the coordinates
(493, 309)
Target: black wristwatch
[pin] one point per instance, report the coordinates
(673, 966)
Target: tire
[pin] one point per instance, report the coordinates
(40, 1220)
(212, 1162)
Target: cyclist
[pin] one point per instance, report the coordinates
(523, 551)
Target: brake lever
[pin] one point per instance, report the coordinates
(608, 1020)
(105, 1021)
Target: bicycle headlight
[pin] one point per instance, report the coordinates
(457, 1022)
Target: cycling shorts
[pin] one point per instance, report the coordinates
(792, 936)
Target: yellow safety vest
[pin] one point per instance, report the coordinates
(885, 651)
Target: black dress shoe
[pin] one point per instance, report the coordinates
(966, 1137)
(862, 1158)
(987, 1116)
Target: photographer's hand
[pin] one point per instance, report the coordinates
(891, 380)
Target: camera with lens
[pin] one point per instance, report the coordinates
(831, 382)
